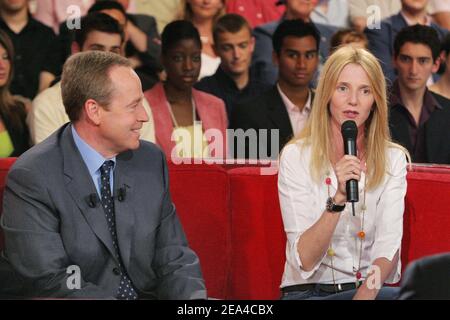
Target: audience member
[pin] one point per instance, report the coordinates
(93, 202)
(348, 36)
(331, 12)
(419, 119)
(164, 11)
(98, 32)
(14, 136)
(52, 13)
(363, 11)
(262, 56)
(36, 58)
(283, 110)
(182, 114)
(143, 46)
(381, 41)
(440, 11)
(233, 81)
(203, 14)
(442, 86)
(256, 12)
(332, 251)
(427, 279)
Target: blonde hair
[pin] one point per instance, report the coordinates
(186, 12)
(317, 132)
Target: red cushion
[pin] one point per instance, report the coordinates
(5, 164)
(427, 220)
(258, 238)
(200, 194)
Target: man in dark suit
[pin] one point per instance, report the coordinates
(419, 119)
(262, 55)
(427, 279)
(87, 213)
(381, 40)
(283, 110)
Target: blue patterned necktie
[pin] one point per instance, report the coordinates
(126, 290)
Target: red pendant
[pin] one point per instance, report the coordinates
(328, 181)
(358, 275)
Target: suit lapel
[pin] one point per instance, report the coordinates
(80, 185)
(434, 134)
(278, 115)
(124, 209)
(399, 128)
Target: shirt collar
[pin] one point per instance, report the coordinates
(429, 101)
(91, 157)
(290, 106)
(410, 22)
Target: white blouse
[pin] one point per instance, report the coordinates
(302, 202)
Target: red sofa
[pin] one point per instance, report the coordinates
(232, 219)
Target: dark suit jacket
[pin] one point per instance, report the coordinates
(381, 41)
(437, 131)
(264, 112)
(262, 55)
(427, 279)
(49, 225)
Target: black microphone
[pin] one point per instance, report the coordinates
(121, 195)
(92, 200)
(349, 132)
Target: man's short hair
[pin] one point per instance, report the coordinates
(232, 23)
(101, 5)
(445, 45)
(97, 21)
(86, 76)
(294, 28)
(418, 34)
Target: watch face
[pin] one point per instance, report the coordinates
(330, 204)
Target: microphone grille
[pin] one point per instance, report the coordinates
(349, 130)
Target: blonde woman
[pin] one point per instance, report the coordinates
(330, 253)
(203, 14)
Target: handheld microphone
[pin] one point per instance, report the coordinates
(92, 200)
(121, 195)
(349, 132)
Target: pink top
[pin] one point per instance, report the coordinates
(210, 110)
(298, 118)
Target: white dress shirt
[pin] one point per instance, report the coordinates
(303, 200)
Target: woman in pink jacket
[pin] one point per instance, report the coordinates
(188, 123)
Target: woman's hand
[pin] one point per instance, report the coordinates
(349, 167)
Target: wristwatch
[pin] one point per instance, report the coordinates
(332, 207)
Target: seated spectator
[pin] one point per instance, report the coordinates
(181, 113)
(381, 40)
(14, 136)
(163, 11)
(348, 36)
(143, 46)
(440, 11)
(233, 80)
(360, 11)
(419, 119)
(427, 279)
(442, 86)
(98, 32)
(36, 59)
(284, 109)
(331, 12)
(256, 12)
(53, 13)
(262, 56)
(203, 15)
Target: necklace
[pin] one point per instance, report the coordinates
(175, 123)
(359, 239)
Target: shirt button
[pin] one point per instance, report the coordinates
(116, 271)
